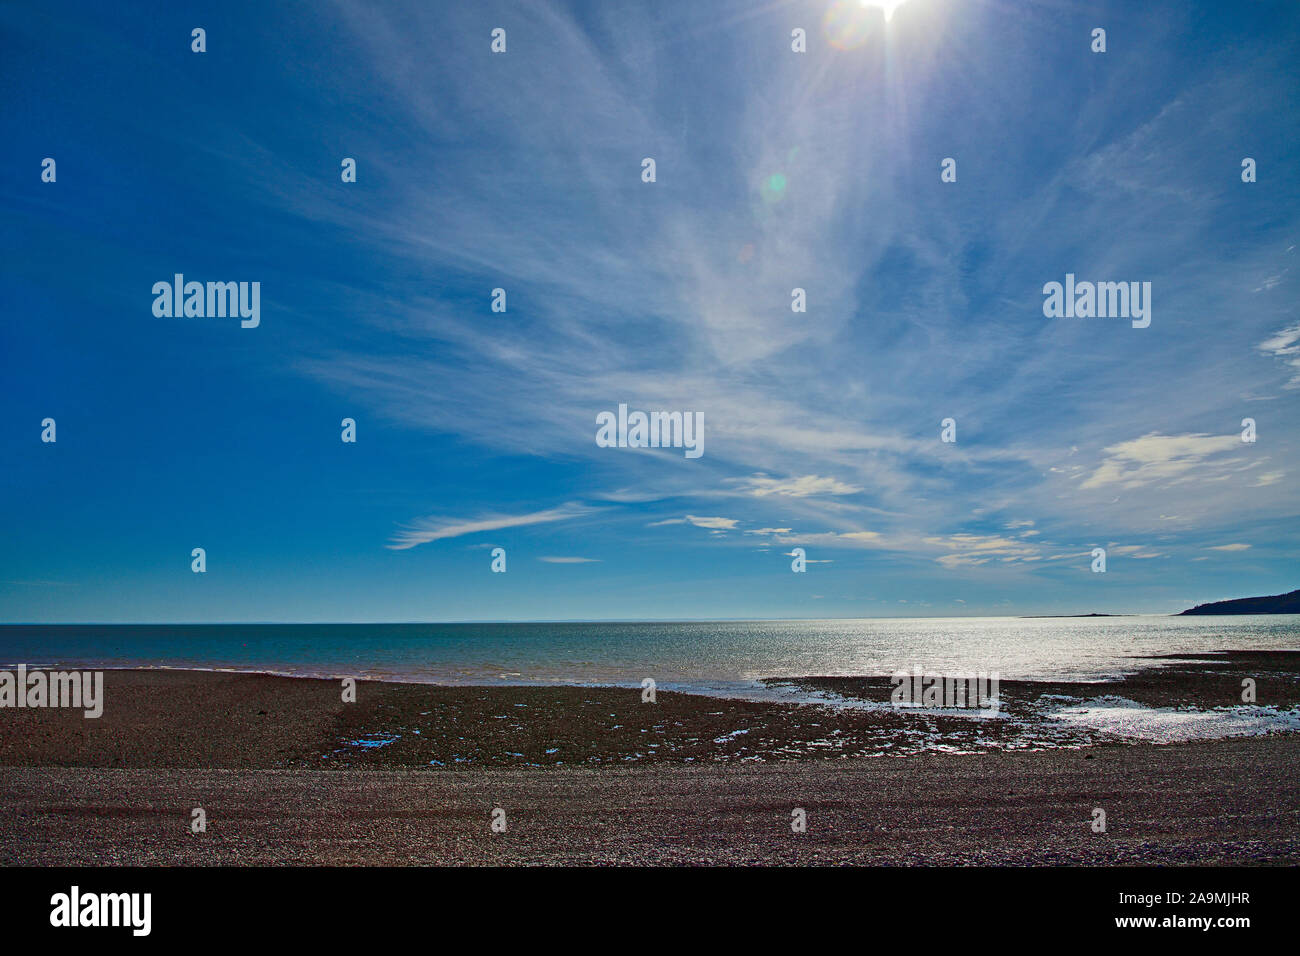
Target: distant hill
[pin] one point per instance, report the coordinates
(1288, 603)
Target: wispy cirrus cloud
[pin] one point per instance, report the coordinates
(1136, 551)
(842, 539)
(431, 529)
(803, 486)
(718, 525)
(1285, 345)
(828, 420)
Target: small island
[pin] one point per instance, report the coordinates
(1288, 603)
(1093, 614)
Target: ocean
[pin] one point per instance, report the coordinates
(719, 657)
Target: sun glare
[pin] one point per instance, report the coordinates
(887, 7)
(849, 23)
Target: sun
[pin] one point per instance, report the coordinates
(850, 23)
(887, 7)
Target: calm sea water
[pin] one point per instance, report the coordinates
(724, 656)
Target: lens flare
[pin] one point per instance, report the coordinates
(847, 24)
(773, 188)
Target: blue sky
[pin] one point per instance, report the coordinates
(522, 171)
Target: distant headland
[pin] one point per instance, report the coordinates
(1093, 614)
(1288, 603)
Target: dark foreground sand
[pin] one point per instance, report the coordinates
(287, 773)
(1231, 802)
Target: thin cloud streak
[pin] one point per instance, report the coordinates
(431, 529)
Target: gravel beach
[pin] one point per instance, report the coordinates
(288, 774)
(1228, 802)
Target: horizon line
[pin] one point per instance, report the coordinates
(584, 620)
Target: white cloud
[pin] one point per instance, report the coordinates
(1285, 345)
(1155, 458)
(430, 529)
(968, 550)
(1236, 546)
(804, 486)
(714, 524)
(833, 539)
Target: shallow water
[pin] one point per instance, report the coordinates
(1128, 720)
(712, 657)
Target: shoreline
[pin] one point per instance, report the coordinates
(1116, 673)
(181, 718)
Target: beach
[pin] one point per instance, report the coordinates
(287, 773)
(1228, 802)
